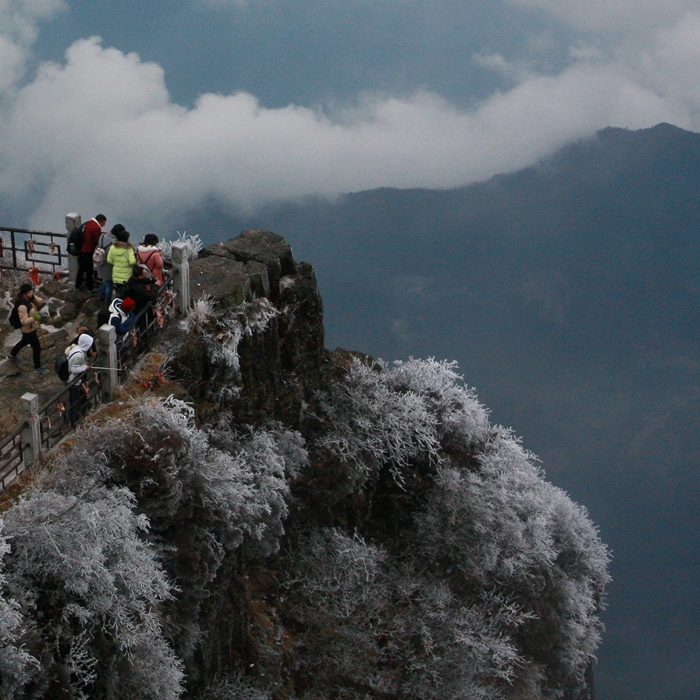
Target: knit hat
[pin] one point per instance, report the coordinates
(128, 304)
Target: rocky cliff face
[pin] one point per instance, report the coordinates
(280, 366)
(319, 525)
(282, 374)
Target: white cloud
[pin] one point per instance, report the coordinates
(100, 132)
(18, 30)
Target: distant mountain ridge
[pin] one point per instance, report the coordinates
(569, 294)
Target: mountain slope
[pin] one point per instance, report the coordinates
(568, 293)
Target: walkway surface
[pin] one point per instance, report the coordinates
(18, 378)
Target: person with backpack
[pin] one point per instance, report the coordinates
(122, 258)
(77, 364)
(78, 355)
(104, 269)
(91, 235)
(25, 315)
(148, 254)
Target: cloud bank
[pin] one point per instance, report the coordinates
(100, 131)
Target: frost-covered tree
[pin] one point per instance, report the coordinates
(377, 626)
(503, 574)
(79, 558)
(204, 493)
(17, 666)
(406, 549)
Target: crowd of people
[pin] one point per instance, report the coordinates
(130, 278)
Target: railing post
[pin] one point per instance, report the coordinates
(73, 220)
(182, 277)
(108, 342)
(31, 435)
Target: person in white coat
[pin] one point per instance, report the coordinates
(77, 364)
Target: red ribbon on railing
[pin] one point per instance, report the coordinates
(34, 275)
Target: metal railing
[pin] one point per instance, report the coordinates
(50, 423)
(12, 456)
(22, 249)
(147, 326)
(63, 411)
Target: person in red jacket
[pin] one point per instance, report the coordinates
(91, 234)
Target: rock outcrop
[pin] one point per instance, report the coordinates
(280, 367)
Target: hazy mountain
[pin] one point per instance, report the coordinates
(568, 293)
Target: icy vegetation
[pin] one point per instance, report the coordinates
(397, 545)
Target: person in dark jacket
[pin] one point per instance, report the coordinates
(91, 235)
(122, 314)
(141, 288)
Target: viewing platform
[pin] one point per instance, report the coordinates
(35, 411)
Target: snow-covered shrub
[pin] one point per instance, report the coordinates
(79, 557)
(505, 528)
(199, 315)
(204, 496)
(193, 244)
(241, 322)
(236, 688)
(337, 573)
(223, 332)
(372, 424)
(461, 421)
(377, 627)
(17, 666)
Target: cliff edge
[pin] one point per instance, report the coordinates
(279, 521)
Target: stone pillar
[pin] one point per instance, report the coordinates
(73, 220)
(107, 335)
(31, 436)
(181, 270)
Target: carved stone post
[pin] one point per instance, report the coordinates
(107, 335)
(182, 277)
(31, 437)
(73, 220)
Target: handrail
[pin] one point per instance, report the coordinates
(146, 325)
(34, 250)
(12, 456)
(59, 415)
(65, 409)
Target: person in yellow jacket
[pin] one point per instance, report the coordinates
(122, 258)
(27, 305)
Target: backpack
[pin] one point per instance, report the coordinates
(98, 257)
(75, 240)
(14, 315)
(62, 364)
(61, 367)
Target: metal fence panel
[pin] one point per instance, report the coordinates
(12, 457)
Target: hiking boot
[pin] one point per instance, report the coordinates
(42, 371)
(13, 358)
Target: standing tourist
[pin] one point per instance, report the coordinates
(149, 255)
(104, 271)
(91, 235)
(122, 258)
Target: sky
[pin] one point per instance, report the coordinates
(146, 109)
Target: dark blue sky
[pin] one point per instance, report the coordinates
(152, 108)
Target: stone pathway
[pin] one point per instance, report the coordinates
(68, 309)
